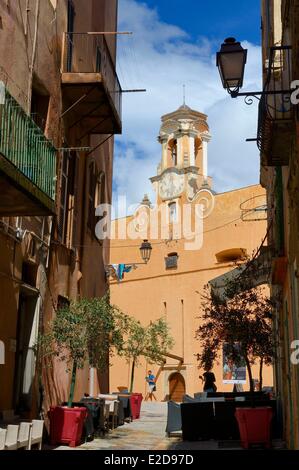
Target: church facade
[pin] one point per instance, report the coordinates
(197, 235)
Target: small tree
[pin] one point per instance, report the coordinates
(152, 341)
(86, 330)
(243, 316)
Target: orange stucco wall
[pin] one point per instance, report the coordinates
(151, 291)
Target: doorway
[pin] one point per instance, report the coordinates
(177, 387)
(27, 332)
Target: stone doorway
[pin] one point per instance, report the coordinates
(177, 387)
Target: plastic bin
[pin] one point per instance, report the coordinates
(66, 425)
(255, 425)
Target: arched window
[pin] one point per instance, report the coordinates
(172, 212)
(173, 152)
(231, 255)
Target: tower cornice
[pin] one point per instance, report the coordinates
(179, 171)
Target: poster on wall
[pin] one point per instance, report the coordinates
(234, 370)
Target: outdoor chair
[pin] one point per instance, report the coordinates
(36, 434)
(200, 395)
(107, 416)
(188, 399)
(126, 406)
(2, 438)
(11, 439)
(96, 411)
(113, 414)
(24, 435)
(174, 419)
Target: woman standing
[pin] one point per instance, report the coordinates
(209, 380)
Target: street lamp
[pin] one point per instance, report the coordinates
(231, 60)
(145, 251)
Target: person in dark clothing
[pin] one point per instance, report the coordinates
(209, 380)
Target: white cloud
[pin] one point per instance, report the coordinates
(161, 58)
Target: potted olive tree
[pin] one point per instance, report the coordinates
(242, 317)
(152, 342)
(84, 332)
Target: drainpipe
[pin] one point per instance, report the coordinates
(34, 48)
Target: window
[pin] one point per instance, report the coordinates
(171, 261)
(98, 60)
(172, 212)
(39, 107)
(174, 153)
(70, 30)
(231, 255)
(72, 197)
(68, 190)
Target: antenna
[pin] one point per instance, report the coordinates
(184, 94)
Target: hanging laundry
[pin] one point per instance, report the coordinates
(122, 269)
(117, 271)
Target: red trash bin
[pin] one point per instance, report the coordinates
(66, 425)
(136, 399)
(255, 425)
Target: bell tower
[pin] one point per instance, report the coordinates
(183, 170)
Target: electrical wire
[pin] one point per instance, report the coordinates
(155, 243)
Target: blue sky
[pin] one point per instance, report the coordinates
(174, 43)
(213, 19)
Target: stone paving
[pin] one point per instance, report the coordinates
(148, 433)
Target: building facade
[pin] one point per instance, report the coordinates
(278, 142)
(60, 108)
(188, 252)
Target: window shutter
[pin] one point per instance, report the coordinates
(62, 216)
(91, 197)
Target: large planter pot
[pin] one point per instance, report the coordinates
(66, 425)
(135, 400)
(255, 425)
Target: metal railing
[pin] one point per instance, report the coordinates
(23, 143)
(275, 107)
(89, 53)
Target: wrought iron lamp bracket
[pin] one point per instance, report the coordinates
(258, 95)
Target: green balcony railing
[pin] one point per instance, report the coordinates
(24, 144)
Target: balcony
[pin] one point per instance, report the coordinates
(91, 89)
(27, 163)
(276, 113)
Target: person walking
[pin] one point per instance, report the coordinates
(151, 386)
